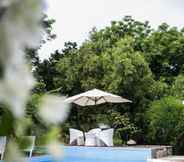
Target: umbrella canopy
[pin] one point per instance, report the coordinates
(95, 97)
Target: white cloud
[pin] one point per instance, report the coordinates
(75, 18)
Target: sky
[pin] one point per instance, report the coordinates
(75, 18)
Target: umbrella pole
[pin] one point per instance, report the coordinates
(78, 123)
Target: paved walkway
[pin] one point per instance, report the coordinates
(168, 159)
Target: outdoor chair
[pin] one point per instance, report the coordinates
(106, 137)
(76, 137)
(2, 146)
(91, 137)
(95, 131)
(29, 149)
(98, 137)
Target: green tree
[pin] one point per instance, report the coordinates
(177, 88)
(166, 123)
(164, 50)
(107, 37)
(120, 70)
(46, 71)
(128, 58)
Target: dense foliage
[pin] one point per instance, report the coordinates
(166, 118)
(132, 60)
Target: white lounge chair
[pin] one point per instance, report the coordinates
(76, 137)
(2, 146)
(91, 137)
(106, 137)
(30, 148)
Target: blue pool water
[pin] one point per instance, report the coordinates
(99, 154)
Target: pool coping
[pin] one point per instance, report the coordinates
(157, 151)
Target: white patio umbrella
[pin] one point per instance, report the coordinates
(95, 97)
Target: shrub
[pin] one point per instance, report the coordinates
(166, 123)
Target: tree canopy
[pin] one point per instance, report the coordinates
(128, 58)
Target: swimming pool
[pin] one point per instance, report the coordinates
(100, 154)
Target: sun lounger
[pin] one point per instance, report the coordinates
(29, 149)
(2, 146)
